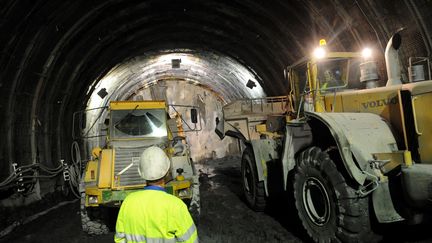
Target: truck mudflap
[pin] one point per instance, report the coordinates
(264, 150)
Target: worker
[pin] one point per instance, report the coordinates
(332, 78)
(152, 215)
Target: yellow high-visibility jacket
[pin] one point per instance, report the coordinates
(151, 216)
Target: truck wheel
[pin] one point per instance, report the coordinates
(327, 206)
(252, 188)
(92, 219)
(195, 203)
(195, 212)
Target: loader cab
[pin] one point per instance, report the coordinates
(338, 73)
(312, 78)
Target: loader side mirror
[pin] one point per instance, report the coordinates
(194, 116)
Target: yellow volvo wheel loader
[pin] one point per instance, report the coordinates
(350, 152)
(113, 172)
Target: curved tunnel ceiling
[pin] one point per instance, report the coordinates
(52, 51)
(221, 74)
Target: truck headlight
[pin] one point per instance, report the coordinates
(92, 200)
(183, 193)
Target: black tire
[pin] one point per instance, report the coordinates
(328, 208)
(195, 213)
(93, 219)
(253, 189)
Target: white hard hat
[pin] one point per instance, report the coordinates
(154, 164)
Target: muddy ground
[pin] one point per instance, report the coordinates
(224, 216)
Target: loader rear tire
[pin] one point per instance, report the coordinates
(328, 208)
(93, 220)
(253, 189)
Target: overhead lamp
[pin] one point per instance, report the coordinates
(175, 63)
(250, 84)
(102, 93)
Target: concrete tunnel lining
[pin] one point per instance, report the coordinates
(223, 74)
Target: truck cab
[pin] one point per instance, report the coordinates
(112, 174)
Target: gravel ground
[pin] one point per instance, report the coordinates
(224, 216)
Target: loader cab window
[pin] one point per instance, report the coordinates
(138, 123)
(338, 73)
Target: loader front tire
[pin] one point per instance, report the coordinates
(328, 208)
(253, 189)
(93, 220)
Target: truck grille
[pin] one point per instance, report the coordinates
(123, 158)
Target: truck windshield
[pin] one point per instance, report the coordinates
(339, 73)
(138, 123)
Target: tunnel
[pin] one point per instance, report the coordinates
(60, 58)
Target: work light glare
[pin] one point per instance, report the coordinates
(319, 53)
(367, 53)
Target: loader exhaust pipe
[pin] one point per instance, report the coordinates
(392, 60)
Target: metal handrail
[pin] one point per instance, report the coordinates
(261, 102)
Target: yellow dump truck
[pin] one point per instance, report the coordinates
(349, 151)
(113, 174)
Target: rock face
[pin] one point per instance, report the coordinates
(205, 144)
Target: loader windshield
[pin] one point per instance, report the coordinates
(338, 73)
(138, 123)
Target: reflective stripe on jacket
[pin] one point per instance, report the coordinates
(154, 216)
